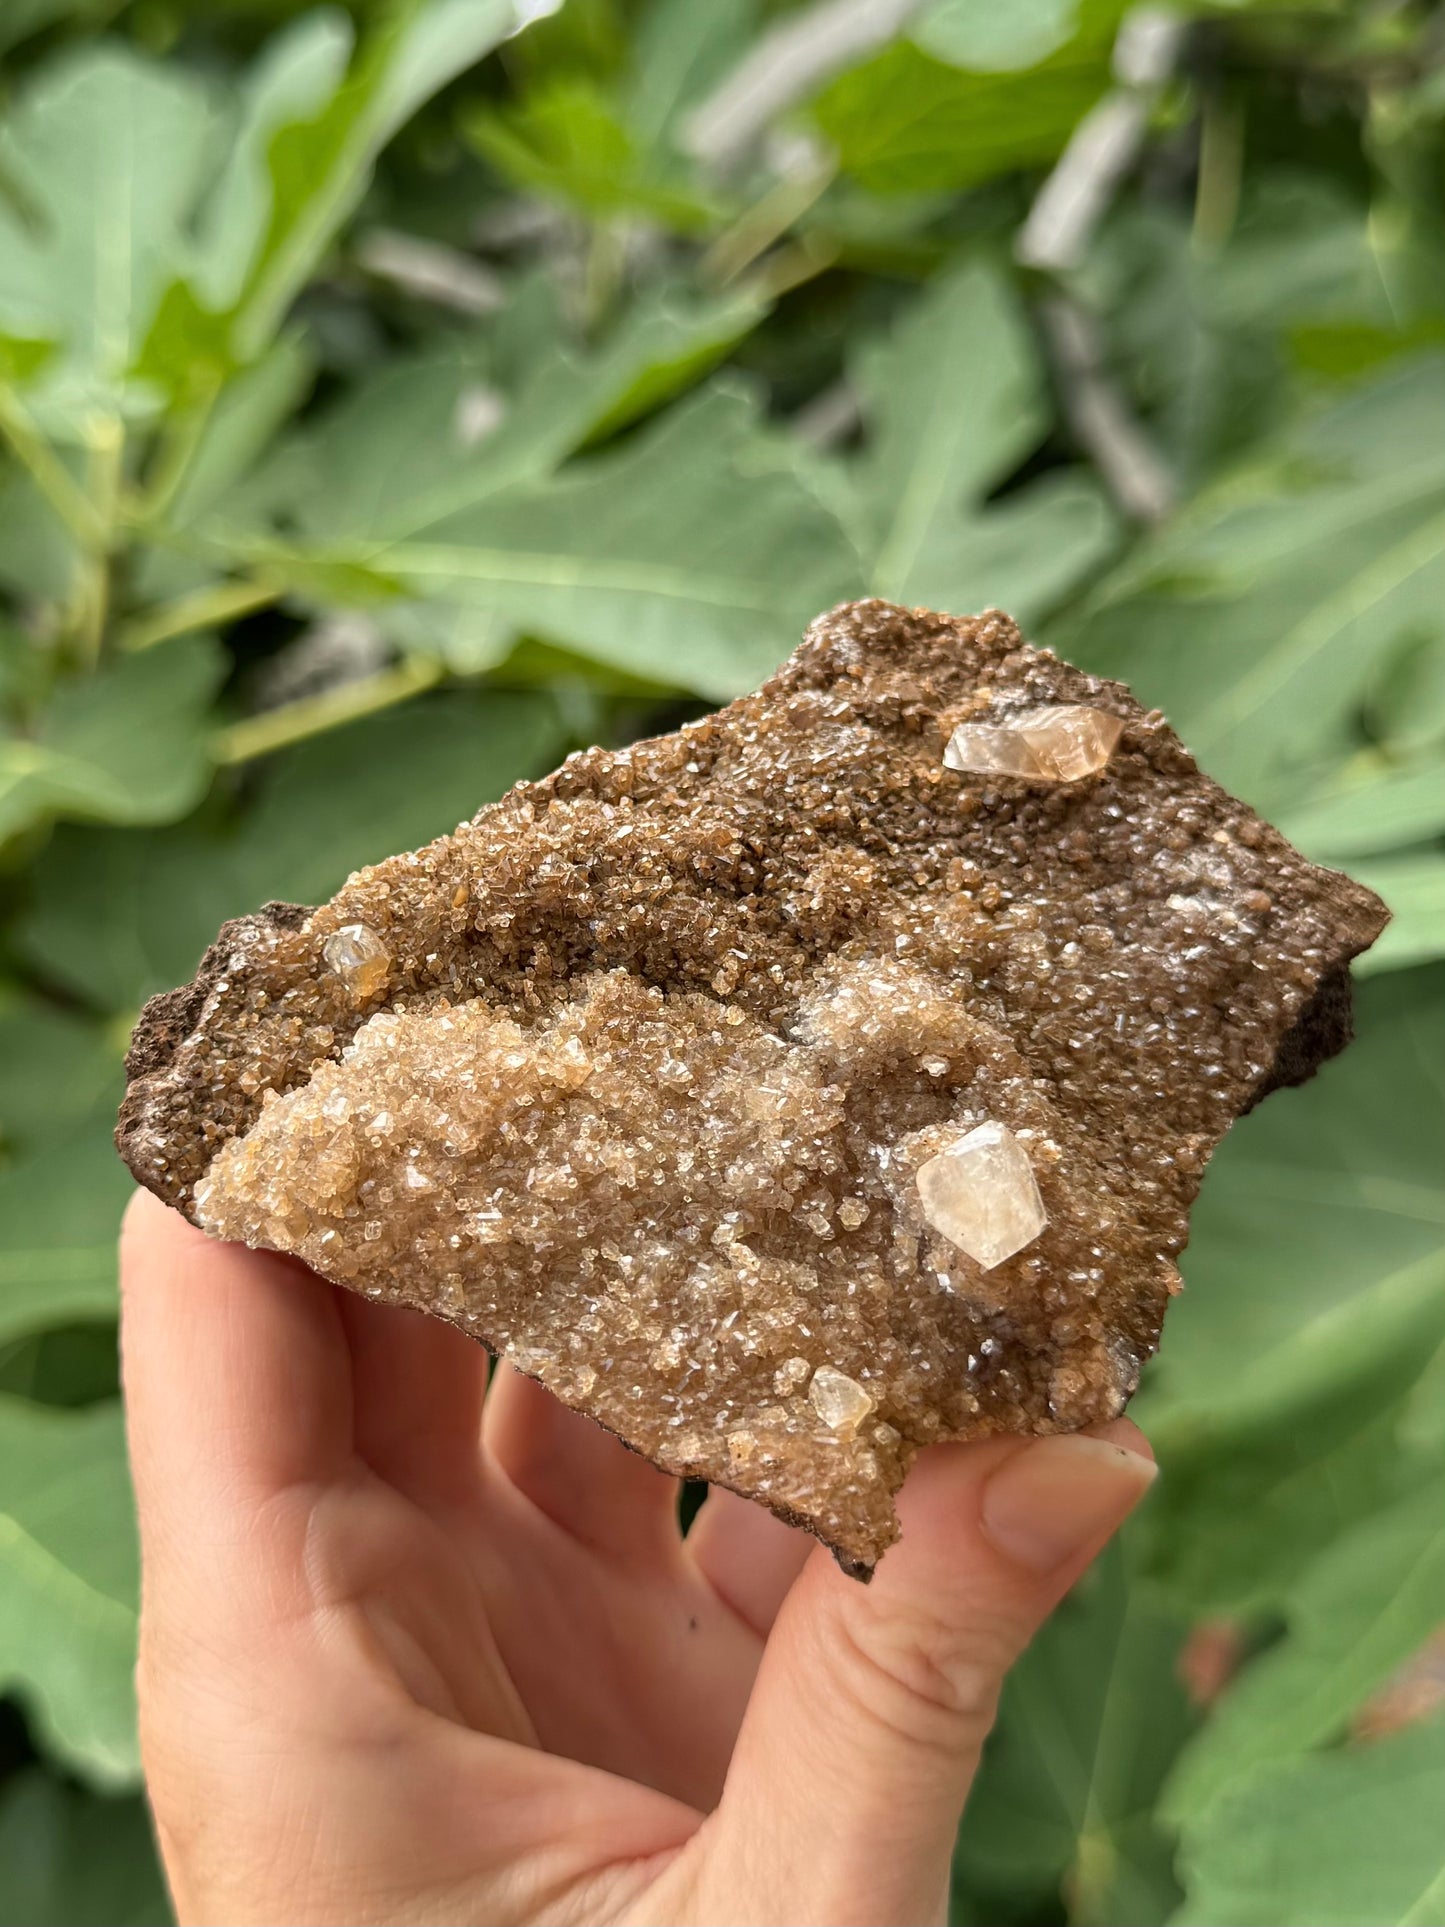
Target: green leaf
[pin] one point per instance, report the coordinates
(24, 17)
(1209, 340)
(72, 1859)
(214, 465)
(680, 52)
(1368, 810)
(1257, 620)
(1369, 1602)
(986, 38)
(238, 431)
(1406, 700)
(107, 154)
(915, 502)
(62, 1187)
(700, 574)
(1321, 1210)
(38, 557)
(609, 148)
(401, 454)
(1244, 1508)
(1414, 888)
(1315, 1298)
(310, 130)
(68, 1597)
(1328, 1841)
(398, 455)
(905, 123)
(118, 917)
(126, 745)
(1066, 1795)
(567, 141)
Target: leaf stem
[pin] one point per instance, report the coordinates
(103, 474)
(221, 603)
(49, 473)
(313, 715)
(1221, 171)
(765, 222)
(175, 455)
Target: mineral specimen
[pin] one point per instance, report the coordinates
(830, 1077)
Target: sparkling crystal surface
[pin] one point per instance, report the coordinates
(634, 1076)
(1050, 743)
(981, 1194)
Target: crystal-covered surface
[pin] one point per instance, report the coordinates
(1050, 743)
(981, 1193)
(665, 1040)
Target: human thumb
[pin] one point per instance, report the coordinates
(864, 1728)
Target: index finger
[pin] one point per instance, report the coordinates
(236, 1370)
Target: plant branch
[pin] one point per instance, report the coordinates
(1221, 170)
(1103, 147)
(221, 603)
(786, 64)
(176, 453)
(104, 467)
(766, 221)
(1133, 470)
(49, 473)
(313, 715)
(1060, 225)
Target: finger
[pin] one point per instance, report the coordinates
(237, 1371)
(586, 1481)
(417, 1396)
(872, 1702)
(748, 1557)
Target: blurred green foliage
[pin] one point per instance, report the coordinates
(395, 397)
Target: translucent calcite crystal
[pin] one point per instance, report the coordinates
(1051, 743)
(982, 1195)
(639, 1077)
(359, 958)
(839, 1401)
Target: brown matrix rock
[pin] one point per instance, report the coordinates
(782, 1093)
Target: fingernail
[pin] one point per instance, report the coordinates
(1060, 1496)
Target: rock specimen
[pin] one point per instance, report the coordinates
(828, 1078)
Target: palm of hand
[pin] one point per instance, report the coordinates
(540, 1592)
(505, 1618)
(408, 1658)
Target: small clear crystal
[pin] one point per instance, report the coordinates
(359, 958)
(838, 1400)
(981, 1194)
(791, 1374)
(1053, 743)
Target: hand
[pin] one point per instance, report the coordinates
(407, 1658)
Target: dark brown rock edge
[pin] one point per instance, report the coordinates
(665, 1037)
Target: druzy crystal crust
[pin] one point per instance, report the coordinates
(773, 1093)
(982, 1195)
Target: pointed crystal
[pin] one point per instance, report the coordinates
(359, 958)
(838, 1400)
(981, 1194)
(1053, 743)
